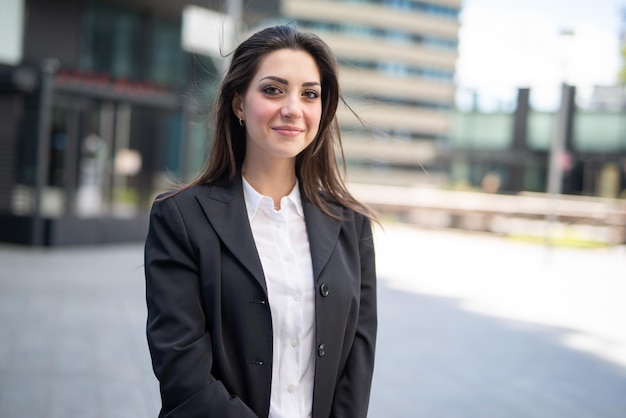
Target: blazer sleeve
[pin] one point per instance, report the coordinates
(352, 393)
(179, 343)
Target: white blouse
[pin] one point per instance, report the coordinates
(283, 245)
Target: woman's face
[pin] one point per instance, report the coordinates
(282, 106)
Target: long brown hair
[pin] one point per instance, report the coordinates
(316, 166)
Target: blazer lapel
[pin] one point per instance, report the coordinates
(323, 232)
(225, 209)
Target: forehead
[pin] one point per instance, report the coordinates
(288, 64)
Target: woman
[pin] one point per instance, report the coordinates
(260, 276)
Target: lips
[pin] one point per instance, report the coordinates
(288, 130)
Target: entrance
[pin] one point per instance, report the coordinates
(90, 160)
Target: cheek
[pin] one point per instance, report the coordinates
(259, 117)
(257, 108)
(315, 118)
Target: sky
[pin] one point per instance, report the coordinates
(507, 44)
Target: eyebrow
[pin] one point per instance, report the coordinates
(283, 81)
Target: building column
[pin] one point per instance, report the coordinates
(517, 168)
(49, 68)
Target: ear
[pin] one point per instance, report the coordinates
(238, 105)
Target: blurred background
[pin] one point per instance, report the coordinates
(495, 152)
(104, 103)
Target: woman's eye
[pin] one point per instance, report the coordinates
(311, 94)
(271, 90)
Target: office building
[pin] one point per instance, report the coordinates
(100, 107)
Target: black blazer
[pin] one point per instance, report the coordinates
(209, 326)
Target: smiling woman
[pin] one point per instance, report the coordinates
(260, 274)
(282, 109)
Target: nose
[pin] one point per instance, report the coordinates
(292, 108)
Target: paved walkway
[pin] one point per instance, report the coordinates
(478, 326)
(470, 326)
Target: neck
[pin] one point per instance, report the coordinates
(275, 180)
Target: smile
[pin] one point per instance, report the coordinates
(288, 130)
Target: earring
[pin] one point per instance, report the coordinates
(241, 122)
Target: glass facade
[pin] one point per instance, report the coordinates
(125, 44)
(117, 122)
(111, 41)
(398, 69)
(420, 6)
(390, 35)
(484, 139)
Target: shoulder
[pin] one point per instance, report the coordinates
(183, 193)
(179, 200)
(343, 211)
(193, 199)
(188, 194)
(174, 195)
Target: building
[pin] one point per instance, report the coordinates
(397, 63)
(512, 149)
(99, 105)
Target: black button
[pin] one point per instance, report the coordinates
(324, 289)
(321, 350)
